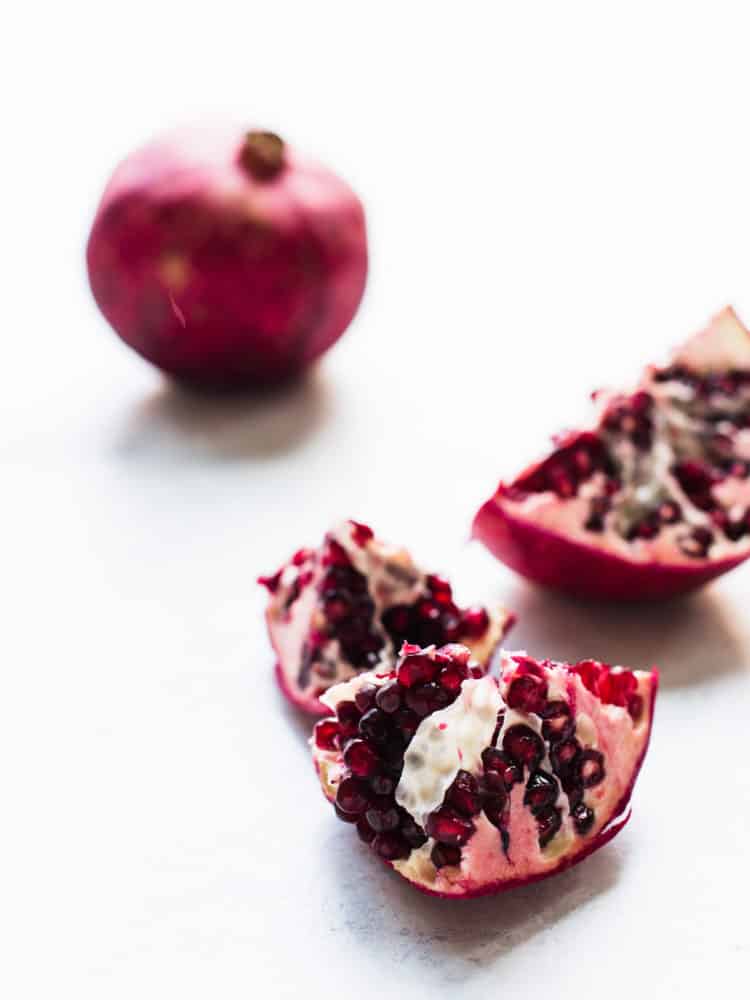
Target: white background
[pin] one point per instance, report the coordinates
(556, 193)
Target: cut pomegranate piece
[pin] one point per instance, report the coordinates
(483, 796)
(348, 606)
(655, 500)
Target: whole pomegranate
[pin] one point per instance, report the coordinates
(654, 499)
(468, 785)
(347, 607)
(227, 259)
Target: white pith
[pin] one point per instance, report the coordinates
(609, 728)
(646, 476)
(446, 742)
(393, 578)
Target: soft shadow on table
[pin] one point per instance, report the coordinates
(452, 938)
(260, 424)
(691, 639)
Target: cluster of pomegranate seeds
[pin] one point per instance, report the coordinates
(348, 607)
(612, 685)
(631, 416)
(569, 466)
(373, 732)
(435, 619)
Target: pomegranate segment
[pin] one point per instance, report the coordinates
(348, 606)
(652, 502)
(484, 796)
(227, 258)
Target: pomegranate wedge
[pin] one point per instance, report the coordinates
(468, 785)
(348, 605)
(652, 502)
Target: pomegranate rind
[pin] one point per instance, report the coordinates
(557, 561)
(529, 532)
(220, 278)
(626, 743)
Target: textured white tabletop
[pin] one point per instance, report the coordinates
(552, 202)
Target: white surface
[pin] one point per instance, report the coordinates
(555, 194)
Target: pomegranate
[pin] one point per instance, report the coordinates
(654, 500)
(227, 258)
(475, 789)
(347, 606)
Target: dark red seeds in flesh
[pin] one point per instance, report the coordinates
(541, 791)
(428, 698)
(568, 467)
(416, 669)
(590, 768)
(364, 699)
(390, 846)
(365, 831)
(348, 716)
(388, 697)
(442, 855)
(527, 693)
(434, 619)
(613, 687)
(449, 828)
(326, 734)
(382, 815)
(558, 723)
(352, 796)
(463, 795)
(583, 819)
(413, 834)
(361, 759)
(697, 543)
(500, 763)
(361, 533)
(523, 745)
(548, 821)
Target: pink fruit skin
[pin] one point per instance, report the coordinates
(563, 564)
(221, 278)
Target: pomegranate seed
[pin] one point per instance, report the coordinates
(442, 855)
(337, 610)
(451, 678)
(456, 653)
(495, 810)
(349, 716)
(416, 669)
(583, 819)
(271, 583)
(375, 726)
(474, 622)
(427, 698)
(463, 794)
(541, 791)
(388, 697)
(697, 543)
(365, 831)
(508, 769)
(558, 723)
(407, 722)
(335, 554)
(548, 822)
(448, 828)
(326, 732)
(590, 767)
(523, 745)
(635, 707)
(413, 835)
(361, 759)
(390, 846)
(527, 694)
(428, 611)
(492, 785)
(563, 757)
(670, 512)
(364, 699)
(382, 784)
(382, 816)
(361, 534)
(351, 796)
(345, 816)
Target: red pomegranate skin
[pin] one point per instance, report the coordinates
(227, 258)
(557, 562)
